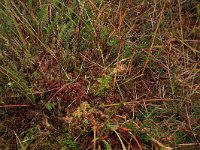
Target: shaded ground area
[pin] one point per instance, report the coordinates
(99, 75)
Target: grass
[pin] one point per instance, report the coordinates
(100, 74)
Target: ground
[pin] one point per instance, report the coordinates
(99, 74)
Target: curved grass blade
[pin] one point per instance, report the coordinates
(107, 145)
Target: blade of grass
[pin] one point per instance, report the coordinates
(122, 143)
(19, 82)
(154, 37)
(107, 145)
(13, 106)
(187, 45)
(13, 17)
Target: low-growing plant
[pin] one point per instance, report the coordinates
(99, 74)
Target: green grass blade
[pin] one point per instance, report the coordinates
(107, 145)
(19, 82)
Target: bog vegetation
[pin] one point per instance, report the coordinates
(99, 74)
